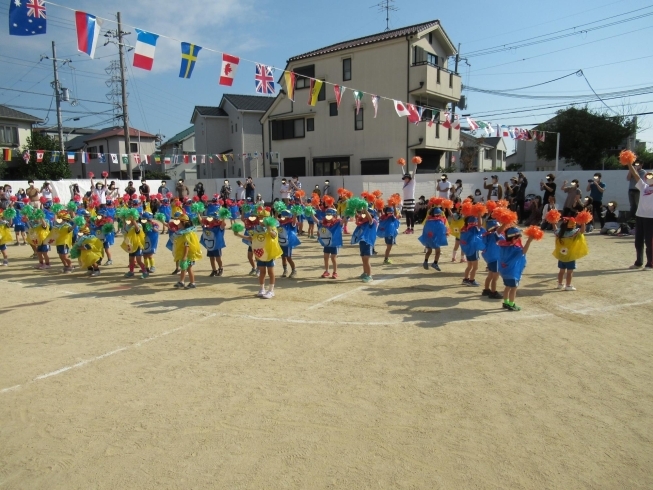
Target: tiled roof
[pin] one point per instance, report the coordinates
(374, 38)
(494, 141)
(118, 131)
(249, 102)
(210, 111)
(180, 136)
(8, 113)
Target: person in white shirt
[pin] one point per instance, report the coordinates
(99, 191)
(284, 191)
(240, 191)
(444, 187)
(643, 219)
(408, 208)
(46, 191)
(113, 193)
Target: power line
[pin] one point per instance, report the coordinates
(624, 93)
(50, 95)
(594, 92)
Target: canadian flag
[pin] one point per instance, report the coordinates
(193, 159)
(39, 156)
(229, 68)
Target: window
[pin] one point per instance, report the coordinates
(331, 166)
(346, 69)
(375, 167)
(133, 147)
(449, 134)
(310, 124)
(322, 94)
(101, 149)
(302, 73)
(294, 166)
(423, 57)
(487, 154)
(288, 129)
(431, 59)
(358, 120)
(236, 128)
(299, 128)
(437, 130)
(9, 135)
(450, 80)
(333, 109)
(92, 152)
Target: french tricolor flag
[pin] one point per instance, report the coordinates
(144, 52)
(88, 31)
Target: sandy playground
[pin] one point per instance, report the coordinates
(412, 381)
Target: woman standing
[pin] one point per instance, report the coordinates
(409, 201)
(643, 220)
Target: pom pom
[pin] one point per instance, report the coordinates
(394, 200)
(79, 221)
(342, 192)
(160, 217)
(131, 214)
(377, 193)
(105, 174)
(238, 228)
(169, 195)
(466, 208)
(91, 175)
(502, 203)
(13, 199)
(534, 232)
(401, 161)
(479, 210)
(270, 222)
(56, 200)
(72, 206)
(57, 207)
(584, 218)
(27, 211)
(75, 252)
(297, 210)
(196, 198)
(627, 157)
(309, 212)
(355, 204)
(9, 213)
(77, 198)
(300, 194)
(205, 198)
(197, 207)
(225, 214)
(417, 160)
(126, 197)
(491, 206)
(504, 216)
(43, 200)
(433, 201)
(108, 228)
(553, 217)
(328, 201)
(379, 204)
(367, 196)
(447, 204)
(184, 264)
(38, 215)
(315, 200)
(279, 206)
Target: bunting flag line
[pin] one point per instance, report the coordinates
(375, 104)
(157, 159)
(456, 122)
(166, 161)
(229, 68)
(27, 18)
(314, 91)
(446, 124)
(114, 158)
(84, 157)
(358, 97)
(137, 158)
(264, 79)
(290, 78)
(420, 112)
(210, 159)
(338, 90)
(432, 120)
(39, 156)
(193, 159)
(102, 158)
(144, 50)
(70, 157)
(55, 157)
(88, 31)
(189, 54)
(472, 124)
(26, 157)
(504, 132)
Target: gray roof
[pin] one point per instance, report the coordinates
(8, 113)
(179, 137)
(494, 141)
(77, 143)
(258, 103)
(203, 110)
(374, 38)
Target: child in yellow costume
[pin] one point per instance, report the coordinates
(37, 234)
(61, 236)
(89, 249)
(265, 245)
(134, 242)
(5, 232)
(570, 246)
(456, 224)
(186, 250)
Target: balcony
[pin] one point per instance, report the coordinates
(432, 81)
(435, 137)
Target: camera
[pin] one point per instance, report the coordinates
(590, 181)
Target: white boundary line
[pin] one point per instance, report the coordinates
(602, 309)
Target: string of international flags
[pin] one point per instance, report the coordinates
(29, 18)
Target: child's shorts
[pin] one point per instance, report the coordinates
(472, 258)
(511, 283)
(138, 253)
(63, 249)
(287, 252)
(365, 248)
(214, 253)
(493, 266)
(3, 248)
(570, 266)
(390, 240)
(43, 248)
(331, 250)
(268, 263)
(19, 228)
(106, 245)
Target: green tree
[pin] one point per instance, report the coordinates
(48, 169)
(513, 167)
(156, 175)
(646, 157)
(585, 136)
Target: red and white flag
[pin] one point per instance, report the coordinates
(456, 122)
(144, 50)
(472, 124)
(401, 109)
(447, 122)
(186, 160)
(229, 68)
(339, 91)
(203, 159)
(146, 159)
(193, 159)
(375, 104)
(210, 158)
(39, 156)
(166, 161)
(541, 136)
(137, 158)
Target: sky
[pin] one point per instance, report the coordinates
(613, 58)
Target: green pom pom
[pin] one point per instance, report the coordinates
(72, 206)
(79, 221)
(132, 214)
(38, 215)
(270, 222)
(280, 206)
(355, 204)
(75, 252)
(197, 208)
(184, 264)
(27, 210)
(247, 208)
(309, 211)
(108, 228)
(55, 208)
(160, 217)
(296, 210)
(9, 213)
(238, 228)
(224, 214)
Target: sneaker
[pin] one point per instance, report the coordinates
(145, 275)
(95, 273)
(152, 269)
(570, 288)
(191, 285)
(179, 285)
(465, 282)
(253, 272)
(496, 295)
(40, 266)
(367, 278)
(109, 262)
(425, 265)
(407, 231)
(261, 293)
(47, 266)
(473, 283)
(129, 274)
(219, 272)
(412, 231)
(5, 262)
(560, 286)
(648, 268)
(362, 276)
(374, 252)
(513, 307)
(436, 266)
(486, 292)
(34, 256)
(268, 295)
(325, 274)
(258, 272)
(635, 266)
(213, 274)
(387, 262)
(334, 276)
(504, 304)
(285, 273)
(293, 274)
(176, 271)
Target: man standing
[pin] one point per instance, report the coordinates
(144, 189)
(494, 190)
(33, 195)
(596, 188)
(182, 190)
(250, 189)
(326, 190)
(644, 217)
(163, 188)
(573, 196)
(225, 191)
(520, 197)
(130, 190)
(444, 187)
(408, 208)
(633, 191)
(549, 187)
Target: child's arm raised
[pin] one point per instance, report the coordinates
(528, 244)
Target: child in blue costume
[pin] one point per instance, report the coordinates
(151, 229)
(212, 238)
(287, 241)
(165, 210)
(491, 254)
(300, 217)
(434, 236)
(471, 245)
(388, 230)
(19, 224)
(365, 236)
(512, 262)
(233, 209)
(329, 235)
(49, 215)
(213, 207)
(251, 222)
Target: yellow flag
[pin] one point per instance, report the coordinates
(316, 86)
(289, 76)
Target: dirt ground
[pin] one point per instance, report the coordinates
(412, 381)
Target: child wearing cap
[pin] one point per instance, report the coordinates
(512, 262)
(471, 244)
(212, 238)
(329, 236)
(491, 254)
(288, 240)
(186, 250)
(388, 230)
(365, 236)
(434, 236)
(151, 229)
(570, 245)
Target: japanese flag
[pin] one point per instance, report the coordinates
(401, 109)
(193, 159)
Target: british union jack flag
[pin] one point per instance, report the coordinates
(264, 79)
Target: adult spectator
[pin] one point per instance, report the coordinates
(199, 190)
(494, 189)
(572, 199)
(443, 187)
(643, 219)
(250, 188)
(46, 191)
(326, 190)
(535, 216)
(421, 208)
(181, 189)
(225, 191)
(284, 191)
(113, 193)
(98, 192)
(144, 189)
(163, 188)
(130, 190)
(317, 191)
(549, 187)
(33, 195)
(633, 191)
(240, 191)
(456, 190)
(509, 192)
(408, 208)
(20, 195)
(295, 185)
(75, 191)
(5, 196)
(596, 188)
(520, 195)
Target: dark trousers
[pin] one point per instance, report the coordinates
(410, 219)
(633, 200)
(644, 240)
(597, 212)
(520, 209)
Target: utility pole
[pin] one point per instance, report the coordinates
(125, 113)
(58, 93)
(453, 106)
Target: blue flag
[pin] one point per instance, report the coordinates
(27, 17)
(189, 53)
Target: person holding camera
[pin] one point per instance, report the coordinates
(444, 187)
(494, 190)
(520, 195)
(225, 191)
(572, 199)
(596, 188)
(250, 189)
(284, 191)
(549, 187)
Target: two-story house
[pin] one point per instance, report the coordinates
(15, 128)
(481, 154)
(233, 128)
(180, 145)
(408, 65)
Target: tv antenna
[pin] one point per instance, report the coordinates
(386, 6)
